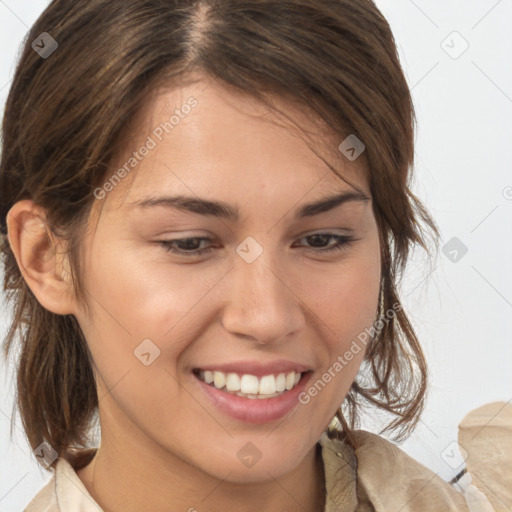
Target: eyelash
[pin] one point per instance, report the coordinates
(343, 241)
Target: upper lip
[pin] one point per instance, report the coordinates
(257, 368)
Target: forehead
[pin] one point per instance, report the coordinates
(204, 138)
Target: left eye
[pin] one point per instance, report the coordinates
(342, 241)
(192, 246)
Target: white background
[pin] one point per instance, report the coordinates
(462, 311)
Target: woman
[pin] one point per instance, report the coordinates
(207, 206)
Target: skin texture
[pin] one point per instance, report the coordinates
(164, 445)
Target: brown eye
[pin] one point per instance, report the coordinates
(319, 241)
(186, 246)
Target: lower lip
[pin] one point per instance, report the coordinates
(257, 410)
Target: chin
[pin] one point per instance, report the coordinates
(254, 461)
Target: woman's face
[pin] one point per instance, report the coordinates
(264, 299)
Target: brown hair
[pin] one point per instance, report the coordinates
(63, 121)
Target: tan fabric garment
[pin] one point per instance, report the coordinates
(387, 479)
(376, 477)
(486, 435)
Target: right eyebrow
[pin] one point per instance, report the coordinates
(193, 205)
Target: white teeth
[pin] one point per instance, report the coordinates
(290, 379)
(219, 379)
(267, 385)
(233, 382)
(281, 382)
(250, 386)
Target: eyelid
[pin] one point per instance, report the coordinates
(343, 242)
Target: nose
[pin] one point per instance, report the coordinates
(262, 303)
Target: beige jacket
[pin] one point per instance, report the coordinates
(376, 476)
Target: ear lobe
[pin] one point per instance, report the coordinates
(40, 257)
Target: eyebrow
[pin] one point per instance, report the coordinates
(226, 211)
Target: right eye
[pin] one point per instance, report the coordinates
(189, 246)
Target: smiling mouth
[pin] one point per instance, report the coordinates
(250, 386)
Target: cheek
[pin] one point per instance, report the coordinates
(344, 308)
(345, 299)
(145, 294)
(143, 311)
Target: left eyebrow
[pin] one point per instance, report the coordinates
(329, 203)
(224, 210)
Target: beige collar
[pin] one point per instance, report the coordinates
(379, 476)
